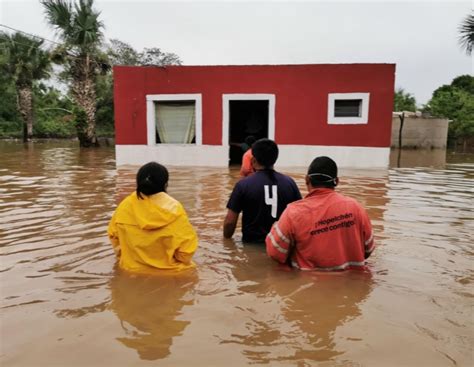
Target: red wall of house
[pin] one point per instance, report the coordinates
(301, 99)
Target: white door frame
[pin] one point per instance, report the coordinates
(226, 98)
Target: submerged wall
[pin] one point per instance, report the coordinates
(420, 132)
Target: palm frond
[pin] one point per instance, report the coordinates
(87, 26)
(59, 14)
(466, 34)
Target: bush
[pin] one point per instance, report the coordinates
(54, 129)
(11, 129)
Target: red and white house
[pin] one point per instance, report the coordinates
(197, 115)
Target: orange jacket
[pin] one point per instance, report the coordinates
(324, 231)
(247, 168)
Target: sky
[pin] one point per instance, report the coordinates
(420, 37)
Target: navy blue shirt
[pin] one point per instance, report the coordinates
(261, 198)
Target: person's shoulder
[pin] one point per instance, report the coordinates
(297, 205)
(167, 202)
(284, 177)
(349, 200)
(128, 201)
(249, 180)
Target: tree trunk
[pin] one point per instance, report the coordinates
(83, 89)
(400, 144)
(402, 120)
(25, 107)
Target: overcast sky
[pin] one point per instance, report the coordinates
(421, 37)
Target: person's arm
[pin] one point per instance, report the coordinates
(188, 241)
(234, 207)
(247, 169)
(113, 235)
(297, 191)
(230, 222)
(367, 234)
(279, 240)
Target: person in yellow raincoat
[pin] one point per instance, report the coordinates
(149, 229)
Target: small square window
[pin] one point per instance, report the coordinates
(347, 107)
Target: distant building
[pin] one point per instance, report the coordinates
(189, 115)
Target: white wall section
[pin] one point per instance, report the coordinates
(218, 155)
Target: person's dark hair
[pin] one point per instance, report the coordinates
(249, 140)
(265, 151)
(151, 179)
(322, 172)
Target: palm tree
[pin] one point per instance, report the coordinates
(466, 33)
(80, 30)
(26, 62)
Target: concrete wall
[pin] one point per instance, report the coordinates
(420, 132)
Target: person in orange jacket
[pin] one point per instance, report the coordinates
(247, 169)
(325, 230)
(149, 229)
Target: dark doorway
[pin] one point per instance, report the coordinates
(246, 118)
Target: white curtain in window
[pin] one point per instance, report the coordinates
(175, 122)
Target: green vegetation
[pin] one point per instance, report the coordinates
(455, 102)
(80, 30)
(85, 110)
(24, 62)
(403, 101)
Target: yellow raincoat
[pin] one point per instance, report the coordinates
(152, 233)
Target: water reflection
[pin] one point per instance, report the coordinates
(149, 309)
(292, 315)
(418, 158)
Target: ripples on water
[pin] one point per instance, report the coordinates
(65, 303)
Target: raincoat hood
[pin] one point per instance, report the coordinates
(151, 212)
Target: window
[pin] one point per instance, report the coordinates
(348, 108)
(175, 122)
(174, 119)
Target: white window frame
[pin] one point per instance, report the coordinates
(226, 98)
(364, 117)
(151, 114)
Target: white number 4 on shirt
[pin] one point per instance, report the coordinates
(273, 201)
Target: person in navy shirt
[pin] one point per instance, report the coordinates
(261, 197)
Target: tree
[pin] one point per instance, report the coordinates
(455, 102)
(466, 33)
(121, 53)
(80, 29)
(26, 62)
(403, 101)
(155, 57)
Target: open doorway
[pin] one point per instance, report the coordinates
(246, 118)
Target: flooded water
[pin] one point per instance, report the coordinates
(64, 302)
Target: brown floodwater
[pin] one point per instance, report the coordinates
(65, 303)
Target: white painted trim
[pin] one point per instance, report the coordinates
(344, 156)
(226, 98)
(173, 155)
(218, 155)
(150, 114)
(363, 119)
